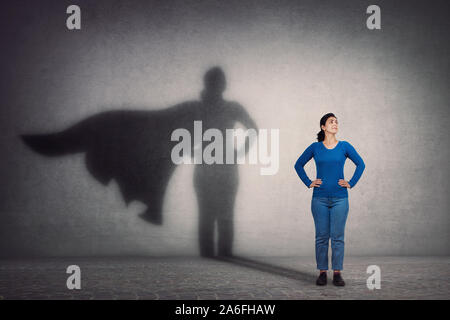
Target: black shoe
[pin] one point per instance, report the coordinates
(322, 279)
(337, 279)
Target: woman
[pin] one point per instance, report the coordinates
(329, 204)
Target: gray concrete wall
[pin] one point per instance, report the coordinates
(287, 62)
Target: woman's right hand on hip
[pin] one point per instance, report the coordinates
(316, 183)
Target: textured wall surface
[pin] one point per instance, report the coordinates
(287, 62)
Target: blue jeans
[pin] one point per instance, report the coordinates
(330, 215)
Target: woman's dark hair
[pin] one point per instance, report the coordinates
(321, 134)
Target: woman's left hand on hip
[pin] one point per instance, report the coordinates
(343, 183)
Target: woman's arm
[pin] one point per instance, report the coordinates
(300, 163)
(358, 161)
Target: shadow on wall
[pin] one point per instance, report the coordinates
(134, 148)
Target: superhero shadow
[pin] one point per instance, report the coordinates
(133, 147)
(273, 269)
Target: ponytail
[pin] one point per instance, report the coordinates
(321, 135)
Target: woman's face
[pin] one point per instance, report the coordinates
(331, 125)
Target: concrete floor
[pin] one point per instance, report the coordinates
(237, 278)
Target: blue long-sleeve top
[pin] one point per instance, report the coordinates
(330, 168)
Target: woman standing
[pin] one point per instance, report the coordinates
(329, 204)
